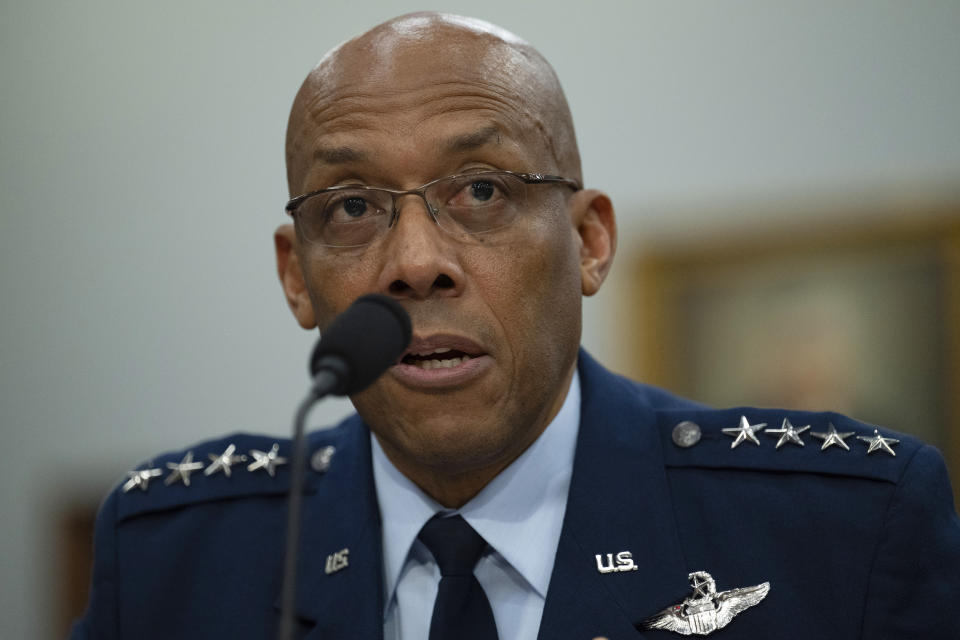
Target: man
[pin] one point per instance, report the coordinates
(433, 159)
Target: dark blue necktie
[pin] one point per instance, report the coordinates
(461, 611)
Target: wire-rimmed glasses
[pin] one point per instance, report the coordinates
(469, 203)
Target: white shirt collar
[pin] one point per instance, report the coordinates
(519, 513)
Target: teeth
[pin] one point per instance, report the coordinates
(441, 364)
(432, 352)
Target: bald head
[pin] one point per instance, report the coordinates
(417, 69)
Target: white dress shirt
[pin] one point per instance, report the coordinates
(520, 514)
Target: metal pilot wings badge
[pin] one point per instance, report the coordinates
(706, 610)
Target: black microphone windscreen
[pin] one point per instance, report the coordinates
(368, 337)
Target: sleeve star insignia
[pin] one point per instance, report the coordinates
(140, 478)
(268, 460)
(224, 461)
(831, 437)
(879, 443)
(744, 432)
(788, 433)
(182, 470)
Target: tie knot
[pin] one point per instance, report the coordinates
(454, 544)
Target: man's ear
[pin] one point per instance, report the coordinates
(596, 228)
(291, 276)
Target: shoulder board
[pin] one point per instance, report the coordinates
(783, 441)
(237, 465)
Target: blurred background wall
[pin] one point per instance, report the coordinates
(141, 176)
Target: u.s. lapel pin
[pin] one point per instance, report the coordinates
(706, 610)
(337, 561)
(624, 562)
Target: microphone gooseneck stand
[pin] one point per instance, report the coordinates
(323, 385)
(358, 346)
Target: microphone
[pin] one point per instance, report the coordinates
(358, 346)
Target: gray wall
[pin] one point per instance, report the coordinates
(141, 177)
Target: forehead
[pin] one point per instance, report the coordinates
(389, 96)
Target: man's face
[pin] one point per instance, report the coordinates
(509, 299)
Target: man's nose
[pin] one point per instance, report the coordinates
(420, 259)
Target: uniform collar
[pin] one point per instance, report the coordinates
(520, 513)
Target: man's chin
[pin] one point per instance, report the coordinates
(456, 440)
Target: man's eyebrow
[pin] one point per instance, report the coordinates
(473, 140)
(339, 155)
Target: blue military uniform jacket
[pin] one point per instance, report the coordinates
(854, 545)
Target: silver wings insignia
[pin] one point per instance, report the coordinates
(706, 610)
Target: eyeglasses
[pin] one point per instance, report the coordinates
(470, 203)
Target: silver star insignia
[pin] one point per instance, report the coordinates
(789, 433)
(703, 584)
(831, 437)
(224, 461)
(744, 432)
(140, 478)
(879, 443)
(266, 460)
(706, 610)
(182, 470)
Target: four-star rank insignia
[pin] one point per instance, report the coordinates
(706, 610)
(787, 434)
(222, 463)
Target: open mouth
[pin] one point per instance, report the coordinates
(442, 361)
(438, 358)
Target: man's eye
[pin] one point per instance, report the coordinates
(347, 208)
(477, 193)
(355, 207)
(482, 190)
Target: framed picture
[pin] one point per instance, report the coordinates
(861, 321)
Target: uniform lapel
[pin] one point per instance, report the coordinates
(619, 502)
(345, 602)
